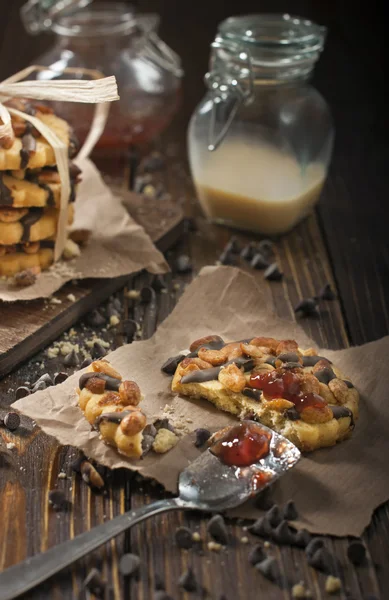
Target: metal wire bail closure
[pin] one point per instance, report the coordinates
(227, 88)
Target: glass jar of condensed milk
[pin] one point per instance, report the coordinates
(260, 141)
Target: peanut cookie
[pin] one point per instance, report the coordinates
(12, 263)
(110, 404)
(37, 224)
(297, 393)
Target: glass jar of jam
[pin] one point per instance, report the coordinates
(109, 37)
(260, 141)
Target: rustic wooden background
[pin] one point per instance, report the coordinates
(345, 243)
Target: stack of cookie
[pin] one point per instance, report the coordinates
(30, 190)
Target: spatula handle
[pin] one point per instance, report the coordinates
(26, 575)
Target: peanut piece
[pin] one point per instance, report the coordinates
(215, 357)
(129, 393)
(339, 389)
(232, 378)
(321, 364)
(254, 351)
(95, 385)
(310, 352)
(266, 342)
(287, 346)
(313, 414)
(309, 383)
(133, 423)
(203, 341)
(103, 366)
(326, 394)
(278, 404)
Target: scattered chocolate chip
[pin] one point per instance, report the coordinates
(85, 363)
(162, 595)
(232, 246)
(91, 476)
(98, 351)
(159, 283)
(266, 247)
(96, 319)
(348, 383)
(227, 258)
(268, 567)
(248, 252)
(112, 311)
(314, 545)
(57, 499)
(71, 359)
(321, 560)
(183, 264)
(292, 414)
(129, 565)
(147, 444)
(77, 463)
(327, 293)
(172, 363)
(252, 393)
(216, 527)
(263, 500)
(273, 273)
(11, 421)
(261, 527)
(302, 538)
(259, 261)
(274, 516)
(46, 378)
(22, 392)
(147, 294)
(202, 436)
(325, 375)
(150, 430)
(94, 583)
(188, 581)
(60, 378)
(307, 307)
(356, 552)
(271, 360)
(289, 512)
(153, 163)
(129, 328)
(256, 554)
(283, 534)
(183, 537)
(164, 424)
(39, 385)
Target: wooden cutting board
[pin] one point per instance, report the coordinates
(25, 327)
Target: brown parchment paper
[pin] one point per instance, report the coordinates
(335, 489)
(117, 246)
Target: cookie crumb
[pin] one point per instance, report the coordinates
(333, 584)
(71, 297)
(114, 320)
(71, 250)
(164, 441)
(133, 294)
(196, 536)
(244, 540)
(54, 300)
(214, 546)
(10, 446)
(266, 544)
(52, 352)
(299, 591)
(62, 475)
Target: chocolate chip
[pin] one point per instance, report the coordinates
(248, 252)
(76, 464)
(85, 363)
(256, 555)
(259, 261)
(266, 247)
(232, 245)
(283, 534)
(202, 436)
(271, 360)
(22, 392)
(291, 365)
(273, 273)
(348, 383)
(216, 527)
(274, 516)
(251, 393)
(261, 527)
(46, 378)
(71, 359)
(183, 537)
(129, 565)
(172, 363)
(325, 375)
(263, 500)
(327, 293)
(150, 430)
(60, 377)
(307, 307)
(162, 595)
(159, 283)
(314, 545)
(147, 294)
(147, 444)
(94, 583)
(38, 386)
(227, 258)
(98, 351)
(57, 499)
(188, 581)
(11, 421)
(321, 559)
(183, 264)
(129, 328)
(153, 163)
(268, 568)
(164, 424)
(96, 319)
(356, 552)
(302, 538)
(292, 414)
(289, 512)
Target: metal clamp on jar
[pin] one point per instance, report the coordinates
(260, 141)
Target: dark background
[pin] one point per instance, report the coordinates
(351, 76)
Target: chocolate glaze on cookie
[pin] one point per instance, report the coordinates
(111, 383)
(6, 198)
(213, 373)
(340, 412)
(33, 215)
(310, 361)
(112, 417)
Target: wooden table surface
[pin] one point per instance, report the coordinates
(345, 243)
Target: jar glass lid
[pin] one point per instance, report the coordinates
(39, 15)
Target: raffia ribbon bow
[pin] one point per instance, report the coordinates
(95, 91)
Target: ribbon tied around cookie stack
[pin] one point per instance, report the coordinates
(99, 90)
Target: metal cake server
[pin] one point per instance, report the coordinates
(206, 484)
